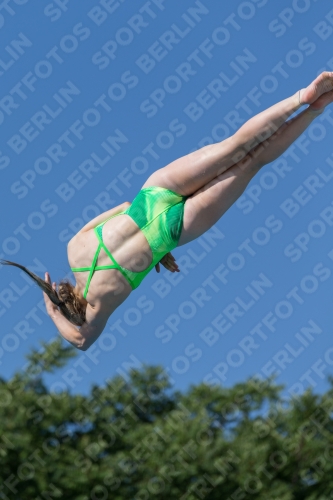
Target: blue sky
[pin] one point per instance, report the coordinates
(144, 73)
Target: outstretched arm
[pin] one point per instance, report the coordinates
(80, 337)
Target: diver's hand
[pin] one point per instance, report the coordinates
(67, 330)
(51, 308)
(169, 262)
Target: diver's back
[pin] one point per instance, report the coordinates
(127, 245)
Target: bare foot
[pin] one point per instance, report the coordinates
(322, 102)
(321, 85)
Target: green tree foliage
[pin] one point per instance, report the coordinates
(141, 440)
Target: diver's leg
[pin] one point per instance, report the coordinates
(205, 207)
(189, 173)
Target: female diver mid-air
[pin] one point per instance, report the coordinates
(112, 254)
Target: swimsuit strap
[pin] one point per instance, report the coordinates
(93, 267)
(115, 265)
(102, 245)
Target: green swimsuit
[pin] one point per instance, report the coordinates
(159, 214)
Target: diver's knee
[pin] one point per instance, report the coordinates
(250, 164)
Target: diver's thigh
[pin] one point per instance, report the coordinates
(205, 207)
(188, 174)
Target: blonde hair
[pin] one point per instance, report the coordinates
(70, 304)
